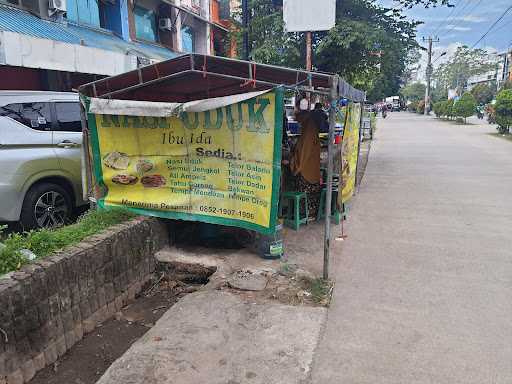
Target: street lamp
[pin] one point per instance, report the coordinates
(441, 55)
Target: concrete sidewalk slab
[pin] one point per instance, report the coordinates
(215, 337)
(424, 287)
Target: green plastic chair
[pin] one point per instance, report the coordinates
(293, 217)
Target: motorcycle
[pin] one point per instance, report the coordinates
(384, 114)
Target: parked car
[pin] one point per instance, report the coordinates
(40, 141)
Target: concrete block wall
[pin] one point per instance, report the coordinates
(48, 306)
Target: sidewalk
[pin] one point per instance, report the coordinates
(424, 280)
(218, 338)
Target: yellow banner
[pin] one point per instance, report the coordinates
(350, 151)
(220, 166)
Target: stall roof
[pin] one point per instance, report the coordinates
(194, 76)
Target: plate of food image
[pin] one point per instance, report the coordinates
(116, 160)
(144, 166)
(153, 181)
(125, 179)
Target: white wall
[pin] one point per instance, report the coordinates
(25, 51)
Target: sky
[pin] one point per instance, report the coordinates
(463, 24)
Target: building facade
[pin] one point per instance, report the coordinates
(61, 44)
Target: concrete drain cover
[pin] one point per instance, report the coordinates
(247, 281)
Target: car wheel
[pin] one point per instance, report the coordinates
(46, 205)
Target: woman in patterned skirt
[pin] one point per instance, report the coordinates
(305, 160)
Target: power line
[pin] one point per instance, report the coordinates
(457, 24)
(492, 26)
(445, 20)
(507, 24)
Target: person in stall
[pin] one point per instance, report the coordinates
(305, 157)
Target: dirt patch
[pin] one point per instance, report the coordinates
(91, 357)
(290, 285)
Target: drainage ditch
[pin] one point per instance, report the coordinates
(86, 362)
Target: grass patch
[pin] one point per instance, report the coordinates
(321, 291)
(44, 242)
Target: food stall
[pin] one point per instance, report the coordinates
(199, 138)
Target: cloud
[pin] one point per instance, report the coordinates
(466, 18)
(453, 27)
(471, 19)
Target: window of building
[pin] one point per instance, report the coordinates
(187, 39)
(33, 115)
(145, 24)
(68, 117)
(84, 12)
(95, 13)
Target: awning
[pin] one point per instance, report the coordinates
(145, 108)
(194, 77)
(22, 22)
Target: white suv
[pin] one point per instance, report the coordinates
(40, 141)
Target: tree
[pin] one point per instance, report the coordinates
(465, 63)
(413, 91)
(465, 106)
(483, 93)
(425, 3)
(439, 94)
(503, 109)
(368, 46)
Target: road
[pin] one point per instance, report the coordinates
(424, 282)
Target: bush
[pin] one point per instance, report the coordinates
(43, 242)
(438, 109)
(503, 109)
(449, 113)
(465, 106)
(411, 107)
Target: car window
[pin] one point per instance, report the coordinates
(33, 115)
(68, 117)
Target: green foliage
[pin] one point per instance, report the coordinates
(424, 3)
(449, 112)
(503, 109)
(464, 64)
(368, 47)
(320, 290)
(439, 94)
(438, 108)
(43, 242)
(413, 91)
(465, 106)
(483, 93)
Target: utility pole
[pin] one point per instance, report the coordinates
(429, 71)
(245, 26)
(309, 49)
